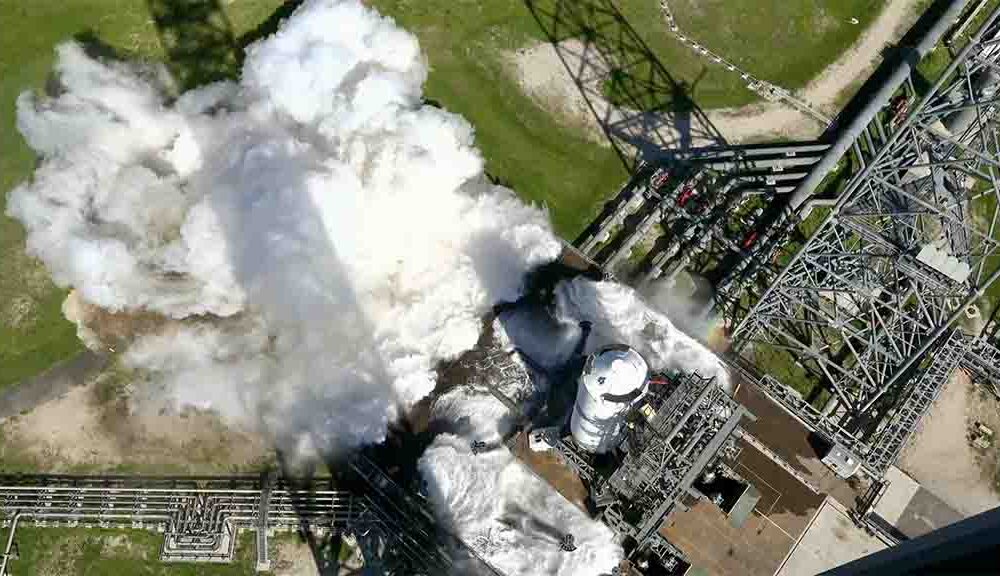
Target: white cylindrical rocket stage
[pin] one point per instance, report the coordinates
(613, 380)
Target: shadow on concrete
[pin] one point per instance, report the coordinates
(50, 384)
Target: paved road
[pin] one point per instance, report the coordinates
(50, 384)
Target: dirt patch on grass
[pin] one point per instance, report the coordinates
(97, 427)
(293, 557)
(111, 422)
(101, 330)
(70, 550)
(24, 282)
(543, 76)
(19, 312)
(66, 551)
(120, 545)
(940, 456)
(22, 273)
(63, 433)
(860, 60)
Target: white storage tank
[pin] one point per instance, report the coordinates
(613, 379)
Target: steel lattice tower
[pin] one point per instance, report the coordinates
(867, 306)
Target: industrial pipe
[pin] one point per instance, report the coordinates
(850, 133)
(858, 178)
(10, 543)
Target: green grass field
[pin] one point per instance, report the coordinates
(103, 552)
(782, 41)
(33, 333)
(112, 552)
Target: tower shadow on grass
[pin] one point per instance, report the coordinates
(94, 47)
(269, 26)
(644, 111)
(197, 40)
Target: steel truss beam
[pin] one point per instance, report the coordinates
(667, 455)
(867, 303)
(704, 207)
(982, 363)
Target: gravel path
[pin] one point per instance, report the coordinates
(859, 61)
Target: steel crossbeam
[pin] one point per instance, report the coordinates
(982, 362)
(669, 452)
(888, 442)
(867, 304)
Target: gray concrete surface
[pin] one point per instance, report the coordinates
(52, 383)
(898, 493)
(924, 513)
(832, 539)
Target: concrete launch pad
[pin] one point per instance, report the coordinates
(832, 539)
(786, 507)
(711, 543)
(795, 446)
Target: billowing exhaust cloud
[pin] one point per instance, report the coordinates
(509, 516)
(302, 247)
(324, 236)
(619, 315)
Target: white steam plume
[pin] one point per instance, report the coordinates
(509, 516)
(685, 304)
(320, 241)
(620, 316)
(345, 230)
